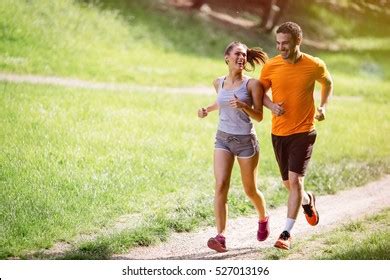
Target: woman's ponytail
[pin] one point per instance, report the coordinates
(255, 56)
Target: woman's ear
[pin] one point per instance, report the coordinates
(226, 60)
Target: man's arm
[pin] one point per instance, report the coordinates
(326, 92)
(276, 108)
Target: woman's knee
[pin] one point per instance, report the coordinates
(221, 187)
(251, 191)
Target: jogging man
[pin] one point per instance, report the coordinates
(291, 75)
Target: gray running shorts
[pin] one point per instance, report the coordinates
(242, 146)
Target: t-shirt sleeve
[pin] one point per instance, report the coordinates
(265, 77)
(322, 72)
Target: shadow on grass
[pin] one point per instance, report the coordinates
(104, 247)
(90, 251)
(203, 36)
(183, 31)
(209, 255)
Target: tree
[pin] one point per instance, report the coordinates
(271, 10)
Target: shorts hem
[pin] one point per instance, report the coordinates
(299, 173)
(248, 156)
(224, 150)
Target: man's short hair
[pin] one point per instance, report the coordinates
(293, 29)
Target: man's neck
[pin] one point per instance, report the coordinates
(295, 58)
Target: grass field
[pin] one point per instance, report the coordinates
(365, 239)
(115, 41)
(74, 160)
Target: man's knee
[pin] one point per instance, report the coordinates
(295, 180)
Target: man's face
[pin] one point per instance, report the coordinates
(285, 45)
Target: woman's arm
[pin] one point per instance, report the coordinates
(203, 112)
(256, 91)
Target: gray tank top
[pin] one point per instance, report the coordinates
(233, 120)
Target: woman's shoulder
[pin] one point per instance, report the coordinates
(219, 79)
(253, 84)
(252, 81)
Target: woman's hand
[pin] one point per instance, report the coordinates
(236, 103)
(202, 113)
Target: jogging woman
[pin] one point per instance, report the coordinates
(239, 100)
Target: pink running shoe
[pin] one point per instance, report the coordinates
(217, 243)
(263, 231)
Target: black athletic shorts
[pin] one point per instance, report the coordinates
(293, 152)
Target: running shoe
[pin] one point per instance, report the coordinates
(217, 243)
(263, 230)
(311, 214)
(284, 241)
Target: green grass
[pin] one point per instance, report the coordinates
(68, 153)
(365, 239)
(360, 73)
(73, 161)
(115, 41)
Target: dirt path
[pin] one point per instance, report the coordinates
(77, 83)
(131, 88)
(241, 234)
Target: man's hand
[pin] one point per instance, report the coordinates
(321, 114)
(277, 109)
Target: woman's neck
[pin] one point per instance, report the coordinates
(235, 77)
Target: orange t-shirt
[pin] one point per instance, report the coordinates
(293, 84)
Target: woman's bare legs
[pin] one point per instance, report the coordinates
(223, 164)
(248, 168)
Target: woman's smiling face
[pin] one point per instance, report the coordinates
(237, 57)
